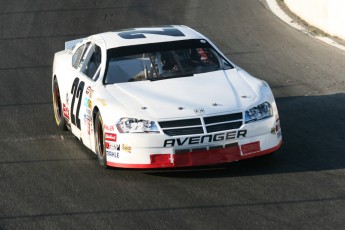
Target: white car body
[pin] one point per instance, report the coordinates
(204, 102)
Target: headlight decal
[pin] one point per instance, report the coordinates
(258, 112)
(133, 125)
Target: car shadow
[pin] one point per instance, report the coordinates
(313, 140)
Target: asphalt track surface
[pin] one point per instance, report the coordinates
(48, 180)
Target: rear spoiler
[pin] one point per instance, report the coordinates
(70, 44)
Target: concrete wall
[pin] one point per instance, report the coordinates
(327, 15)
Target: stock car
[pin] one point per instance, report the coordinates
(161, 97)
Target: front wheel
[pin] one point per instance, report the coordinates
(99, 141)
(57, 105)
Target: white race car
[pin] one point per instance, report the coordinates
(161, 97)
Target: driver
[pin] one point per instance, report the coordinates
(168, 62)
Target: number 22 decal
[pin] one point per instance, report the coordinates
(77, 92)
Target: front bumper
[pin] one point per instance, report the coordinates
(262, 138)
(203, 157)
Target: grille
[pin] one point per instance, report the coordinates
(184, 131)
(182, 127)
(195, 125)
(223, 122)
(224, 126)
(180, 123)
(222, 118)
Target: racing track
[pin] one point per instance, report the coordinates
(50, 181)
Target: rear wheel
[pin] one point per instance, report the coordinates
(99, 141)
(57, 105)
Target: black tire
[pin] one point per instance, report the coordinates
(57, 105)
(100, 142)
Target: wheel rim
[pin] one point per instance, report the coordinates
(100, 140)
(57, 104)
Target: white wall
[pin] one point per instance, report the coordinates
(327, 15)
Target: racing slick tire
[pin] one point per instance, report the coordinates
(100, 141)
(57, 105)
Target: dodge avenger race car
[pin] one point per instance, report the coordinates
(161, 97)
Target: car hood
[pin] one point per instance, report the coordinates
(203, 94)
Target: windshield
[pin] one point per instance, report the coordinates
(162, 61)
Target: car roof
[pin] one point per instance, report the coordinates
(144, 35)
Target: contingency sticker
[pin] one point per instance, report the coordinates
(113, 154)
(112, 146)
(110, 137)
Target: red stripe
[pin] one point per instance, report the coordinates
(198, 158)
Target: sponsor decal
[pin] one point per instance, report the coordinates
(199, 111)
(110, 137)
(87, 102)
(109, 128)
(88, 90)
(88, 112)
(91, 126)
(112, 146)
(277, 129)
(113, 154)
(126, 148)
(277, 125)
(205, 139)
(65, 111)
(87, 122)
(102, 101)
(86, 118)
